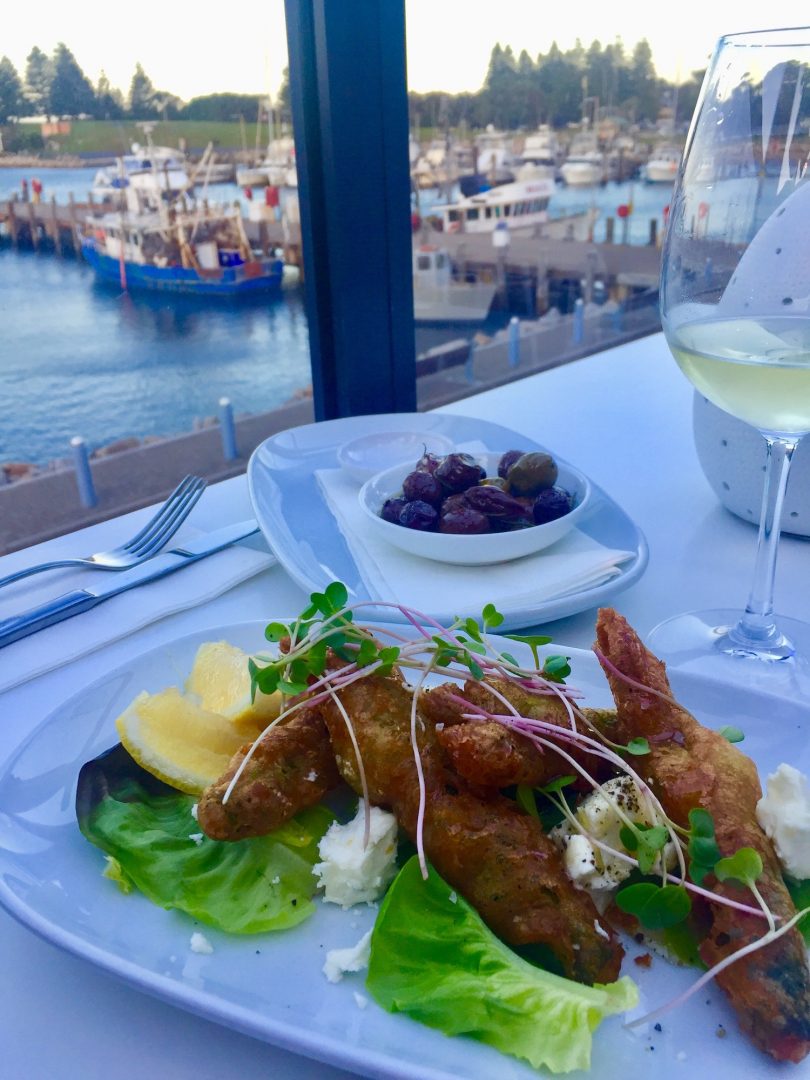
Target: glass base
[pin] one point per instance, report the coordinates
(710, 644)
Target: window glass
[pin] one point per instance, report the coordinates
(499, 119)
(93, 352)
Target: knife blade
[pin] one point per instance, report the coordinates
(78, 600)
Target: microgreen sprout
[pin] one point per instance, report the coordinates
(731, 733)
(657, 907)
(702, 845)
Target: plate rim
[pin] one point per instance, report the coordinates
(523, 617)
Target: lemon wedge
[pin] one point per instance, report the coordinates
(221, 681)
(177, 740)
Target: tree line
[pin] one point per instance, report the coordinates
(555, 88)
(56, 86)
(560, 88)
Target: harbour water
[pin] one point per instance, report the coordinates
(79, 358)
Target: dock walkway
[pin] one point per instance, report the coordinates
(54, 227)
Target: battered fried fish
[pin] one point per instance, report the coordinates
(488, 754)
(498, 858)
(691, 766)
(293, 767)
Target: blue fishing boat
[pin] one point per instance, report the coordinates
(201, 251)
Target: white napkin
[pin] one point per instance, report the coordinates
(574, 563)
(120, 615)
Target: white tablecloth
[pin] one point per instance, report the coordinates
(624, 417)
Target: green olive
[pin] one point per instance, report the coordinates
(531, 473)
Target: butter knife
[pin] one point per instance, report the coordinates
(78, 600)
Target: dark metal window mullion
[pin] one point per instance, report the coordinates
(350, 118)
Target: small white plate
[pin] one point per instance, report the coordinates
(368, 454)
(481, 549)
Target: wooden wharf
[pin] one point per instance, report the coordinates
(534, 260)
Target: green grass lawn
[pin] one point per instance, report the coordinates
(116, 137)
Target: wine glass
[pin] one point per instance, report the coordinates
(735, 309)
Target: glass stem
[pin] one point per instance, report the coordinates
(757, 625)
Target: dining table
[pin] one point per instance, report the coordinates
(624, 417)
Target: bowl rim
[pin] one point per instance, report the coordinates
(478, 539)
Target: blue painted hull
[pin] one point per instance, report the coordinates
(261, 276)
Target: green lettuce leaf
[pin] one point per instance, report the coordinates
(242, 887)
(800, 891)
(433, 958)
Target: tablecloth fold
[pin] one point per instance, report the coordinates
(574, 563)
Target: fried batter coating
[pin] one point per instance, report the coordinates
(498, 858)
(488, 754)
(691, 766)
(293, 767)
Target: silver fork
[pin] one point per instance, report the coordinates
(143, 545)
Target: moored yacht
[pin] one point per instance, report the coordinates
(584, 165)
(662, 165)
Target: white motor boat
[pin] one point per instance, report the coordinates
(520, 208)
(438, 297)
(542, 148)
(662, 166)
(584, 165)
(159, 170)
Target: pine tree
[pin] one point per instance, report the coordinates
(109, 102)
(71, 93)
(38, 77)
(142, 95)
(11, 95)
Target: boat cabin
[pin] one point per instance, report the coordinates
(431, 266)
(522, 205)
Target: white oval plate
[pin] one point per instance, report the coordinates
(304, 536)
(271, 986)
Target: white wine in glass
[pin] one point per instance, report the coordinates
(735, 309)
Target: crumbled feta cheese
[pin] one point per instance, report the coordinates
(197, 837)
(200, 943)
(453, 897)
(355, 958)
(275, 880)
(350, 873)
(194, 809)
(784, 814)
(312, 776)
(586, 864)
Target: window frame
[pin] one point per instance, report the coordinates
(349, 98)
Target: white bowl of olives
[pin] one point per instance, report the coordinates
(475, 509)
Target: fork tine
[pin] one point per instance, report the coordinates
(166, 508)
(172, 521)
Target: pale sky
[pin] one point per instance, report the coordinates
(201, 48)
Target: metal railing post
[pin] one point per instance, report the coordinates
(469, 364)
(514, 341)
(84, 476)
(579, 320)
(227, 429)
